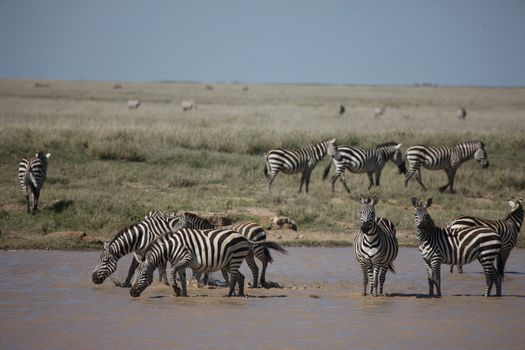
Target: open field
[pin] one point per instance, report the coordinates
(111, 165)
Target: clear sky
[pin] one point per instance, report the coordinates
(446, 42)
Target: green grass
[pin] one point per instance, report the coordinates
(110, 165)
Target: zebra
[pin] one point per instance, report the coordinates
(508, 228)
(302, 160)
(250, 230)
(32, 174)
(375, 246)
(461, 246)
(371, 161)
(447, 158)
(201, 250)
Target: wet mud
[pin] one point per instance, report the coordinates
(47, 301)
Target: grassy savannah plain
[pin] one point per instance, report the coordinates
(111, 165)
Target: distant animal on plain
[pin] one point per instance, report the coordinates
(134, 104)
(188, 105)
(32, 174)
(461, 113)
(342, 109)
(379, 111)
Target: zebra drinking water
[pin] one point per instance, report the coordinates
(32, 174)
(508, 229)
(359, 160)
(461, 246)
(203, 251)
(447, 158)
(375, 246)
(302, 160)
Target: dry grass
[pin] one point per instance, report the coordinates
(115, 164)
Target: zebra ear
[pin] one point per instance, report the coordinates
(399, 145)
(415, 202)
(48, 155)
(361, 198)
(428, 203)
(332, 141)
(374, 200)
(106, 245)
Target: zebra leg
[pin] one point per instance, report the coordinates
(176, 288)
(460, 268)
(131, 272)
(409, 175)
(303, 177)
(250, 260)
(364, 268)
(370, 179)
(225, 276)
(418, 179)
(375, 281)
(264, 262)
(27, 202)
(307, 180)
(334, 179)
(343, 181)
(163, 276)
(270, 179)
(378, 176)
(34, 199)
(436, 276)
(504, 256)
(430, 279)
(240, 282)
(182, 277)
(382, 277)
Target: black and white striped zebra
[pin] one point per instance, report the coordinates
(447, 158)
(453, 247)
(134, 239)
(370, 161)
(302, 160)
(32, 175)
(253, 232)
(203, 251)
(375, 246)
(508, 229)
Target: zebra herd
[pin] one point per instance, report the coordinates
(186, 240)
(372, 161)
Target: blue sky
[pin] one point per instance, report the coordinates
(336, 42)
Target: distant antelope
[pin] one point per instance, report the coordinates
(461, 113)
(188, 105)
(134, 104)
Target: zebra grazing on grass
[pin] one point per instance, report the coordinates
(453, 247)
(302, 160)
(375, 246)
(447, 158)
(371, 161)
(32, 174)
(508, 229)
(203, 251)
(253, 232)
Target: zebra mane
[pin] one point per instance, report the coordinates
(192, 217)
(386, 144)
(471, 142)
(125, 229)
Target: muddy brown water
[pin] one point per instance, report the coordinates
(47, 301)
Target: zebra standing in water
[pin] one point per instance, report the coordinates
(375, 246)
(135, 239)
(508, 229)
(461, 246)
(302, 160)
(371, 161)
(253, 232)
(447, 158)
(32, 174)
(203, 251)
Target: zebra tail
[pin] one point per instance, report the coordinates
(266, 165)
(391, 268)
(500, 268)
(267, 245)
(327, 170)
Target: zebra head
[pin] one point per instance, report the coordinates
(398, 159)
(331, 148)
(368, 212)
(106, 265)
(481, 156)
(143, 277)
(421, 216)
